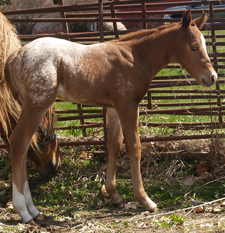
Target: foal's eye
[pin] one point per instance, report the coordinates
(194, 48)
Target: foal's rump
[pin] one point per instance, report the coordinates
(32, 72)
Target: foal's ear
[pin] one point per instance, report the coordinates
(201, 20)
(186, 19)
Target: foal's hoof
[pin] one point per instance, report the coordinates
(155, 210)
(31, 222)
(39, 218)
(119, 204)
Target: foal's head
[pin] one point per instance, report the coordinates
(191, 50)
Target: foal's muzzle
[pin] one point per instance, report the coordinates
(209, 81)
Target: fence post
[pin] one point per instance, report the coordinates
(149, 95)
(105, 122)
(101, 28)
(82, 121)
(112, 8)
(105, 118)
(215, 61)
(62, 14)
(143, 6)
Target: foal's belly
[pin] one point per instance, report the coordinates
(82, 95)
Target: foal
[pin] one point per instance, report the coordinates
(115, 75)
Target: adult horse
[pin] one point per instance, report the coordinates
(46, 156)
(115, 74)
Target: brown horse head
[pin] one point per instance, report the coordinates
(48, 160)
(47, 156)
(191, 50)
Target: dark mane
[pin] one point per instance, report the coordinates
(142, 33)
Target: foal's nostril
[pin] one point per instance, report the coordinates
(213, 78)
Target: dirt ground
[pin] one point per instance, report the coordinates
(120, 220)
(207, 217)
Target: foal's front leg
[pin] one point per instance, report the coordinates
(129, 122)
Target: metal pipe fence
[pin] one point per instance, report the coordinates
(186, 98)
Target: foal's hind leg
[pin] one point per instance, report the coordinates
(128, 114)
(115, 139)
(19, 144)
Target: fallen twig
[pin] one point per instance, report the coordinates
(185, 196)
(179, 210)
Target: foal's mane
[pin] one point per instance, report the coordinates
(138, 35)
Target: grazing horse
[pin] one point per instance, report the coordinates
(116, 75)
(46, 156)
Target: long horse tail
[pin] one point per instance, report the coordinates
(10, 105)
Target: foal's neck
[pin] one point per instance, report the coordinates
(155, 47)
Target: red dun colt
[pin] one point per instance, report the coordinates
(48, 159)
(115, 74)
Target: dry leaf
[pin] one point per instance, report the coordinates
(83, 155)
(198, 209)
(131, 205)
(223, 161)
(209, 209)
(10, 176)
(217, 209)
(69, 194)
(202, 168)
(222, 204)
(79, 180)
(9, 205)
(2, 192)
(190, 180)
(86, 155)
(205, 177)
